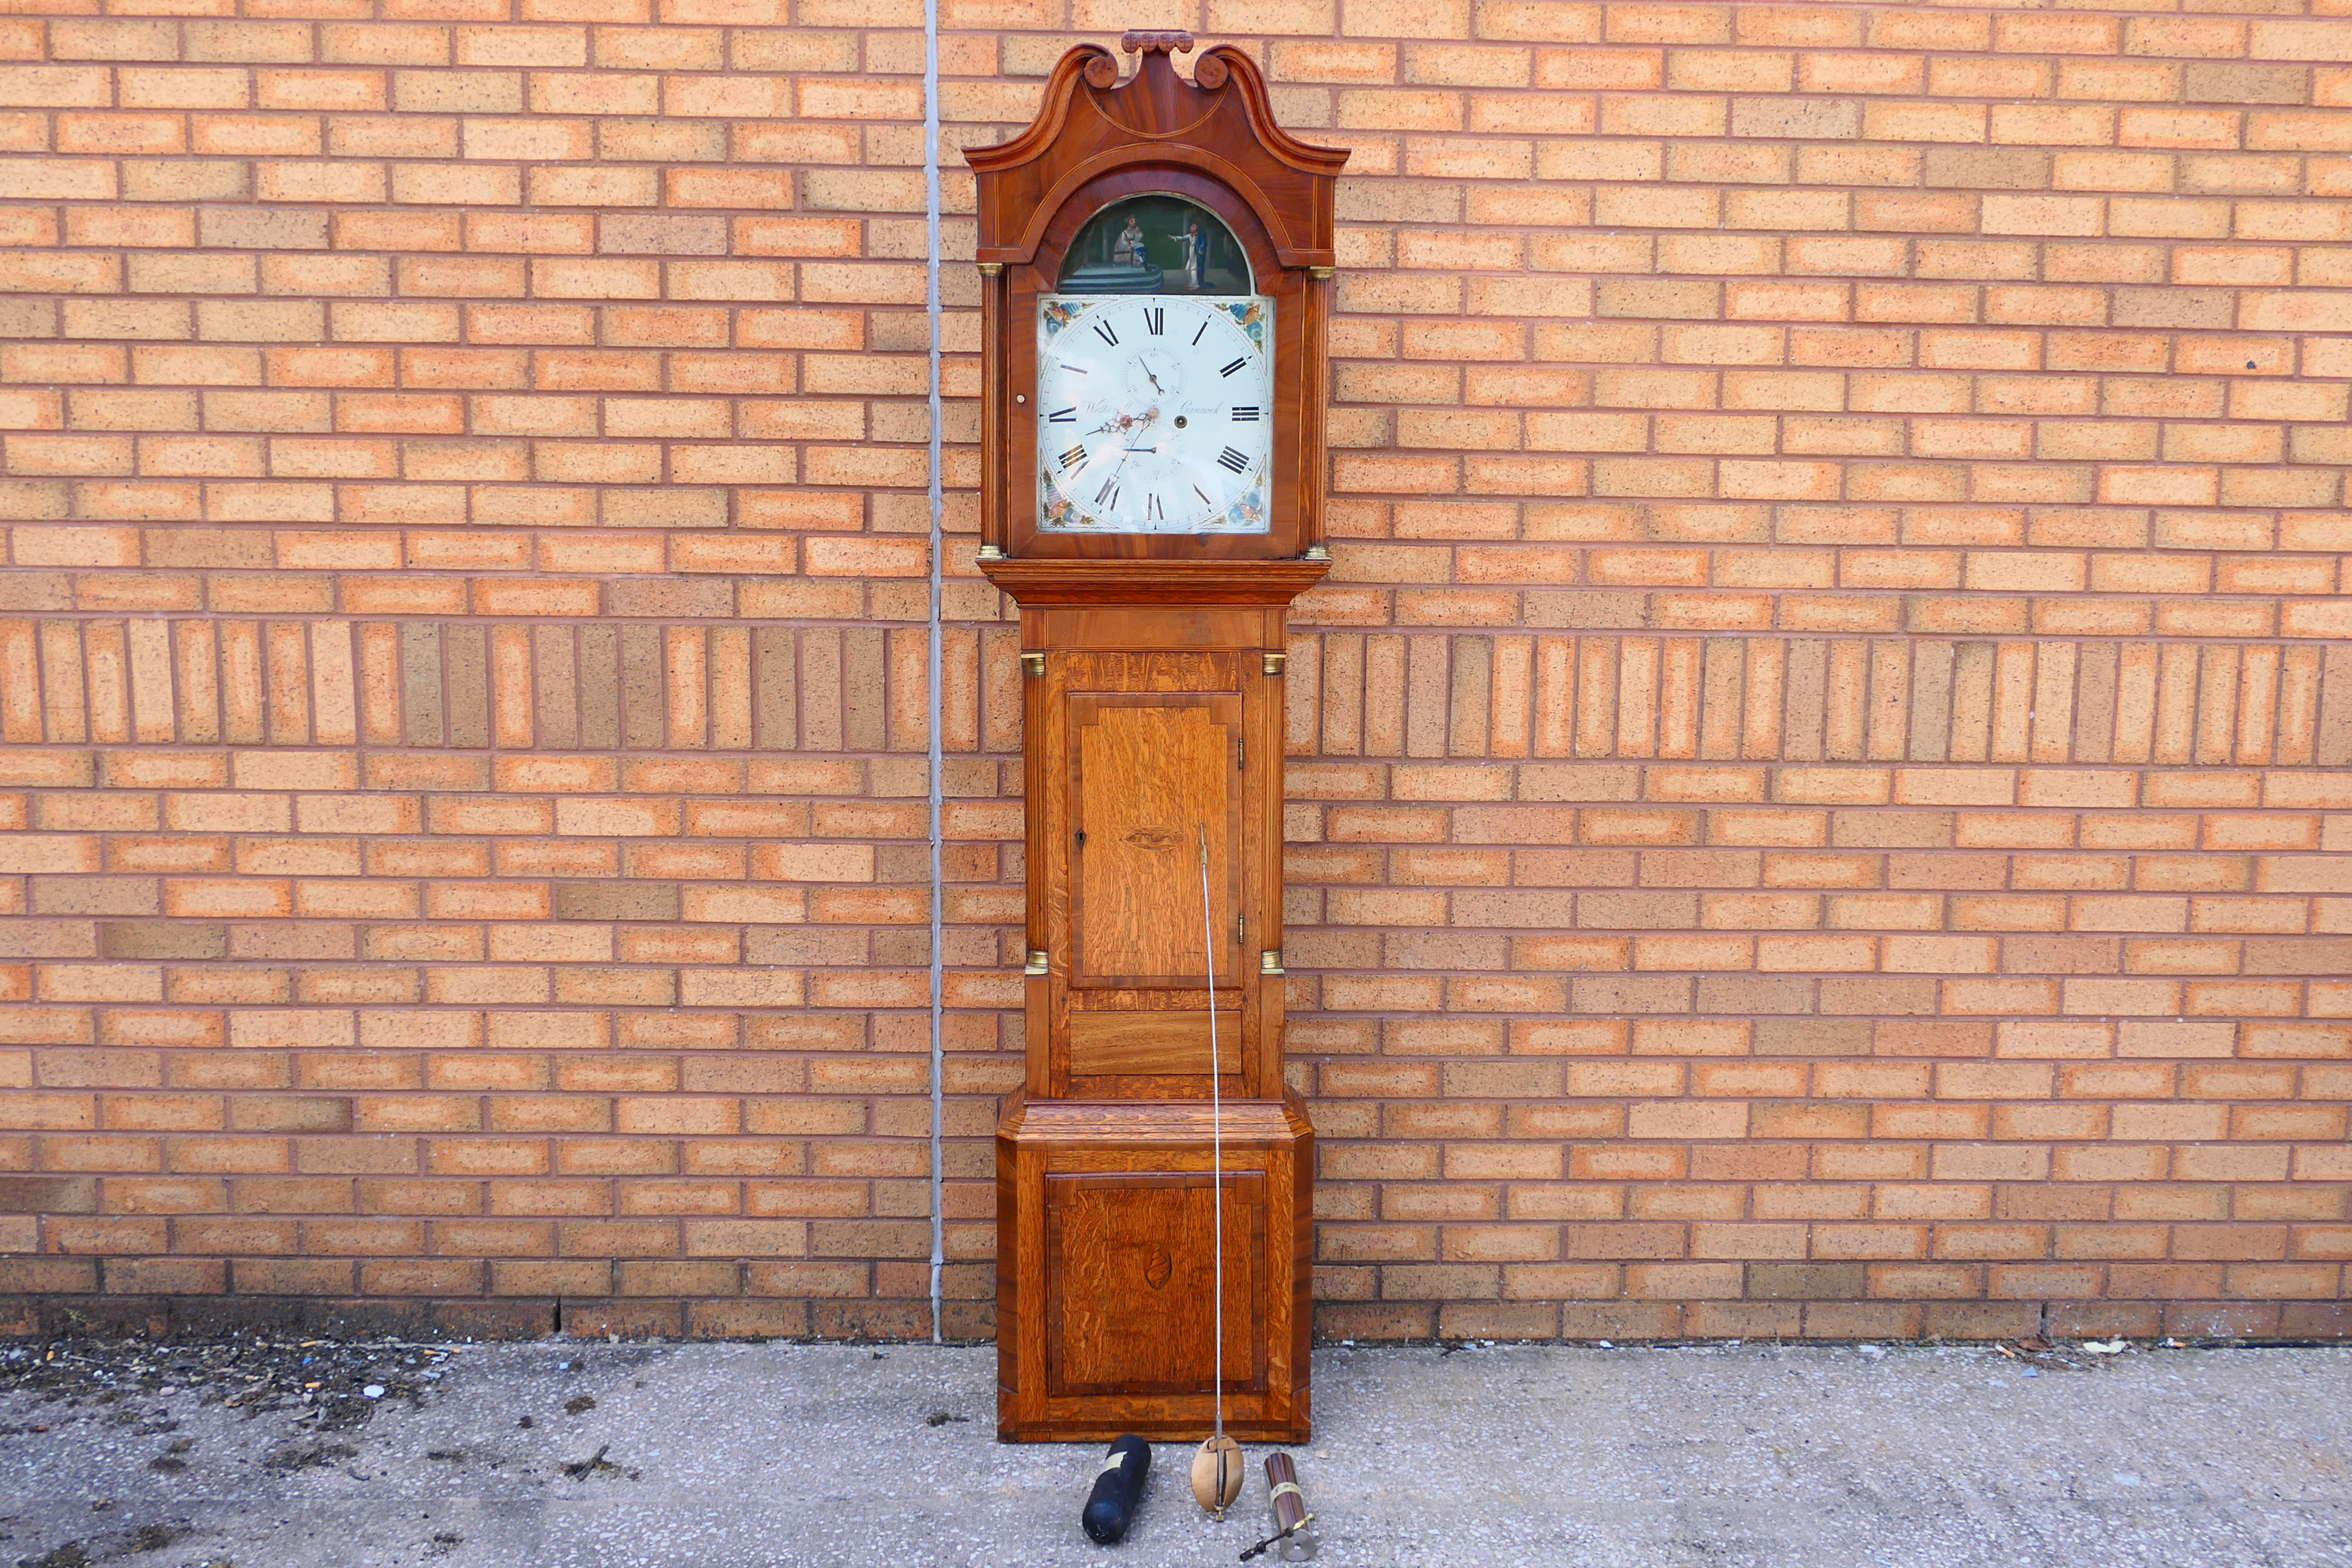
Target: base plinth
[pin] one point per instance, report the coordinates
(1105, 1215)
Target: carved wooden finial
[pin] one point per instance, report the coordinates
(1172, 41)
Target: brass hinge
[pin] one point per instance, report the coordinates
(1039, 963)
(1241, 753)
(1270, 961)
(989, 553)
(1033, 664)
(1271, 664)
(1241, 927)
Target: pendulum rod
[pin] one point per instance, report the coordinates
(1216, 1468)
(1217, 1146)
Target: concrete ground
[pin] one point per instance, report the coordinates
(721, 1456)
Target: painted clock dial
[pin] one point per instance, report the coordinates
(1154, 413)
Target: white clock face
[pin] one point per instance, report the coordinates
(1155, 413)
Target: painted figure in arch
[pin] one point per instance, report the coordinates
(1128, 250)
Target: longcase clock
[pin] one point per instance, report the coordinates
(1156, 270)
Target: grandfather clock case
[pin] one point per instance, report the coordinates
(1155, 258)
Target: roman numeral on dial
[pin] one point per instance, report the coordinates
(1070, 416)
(1108, 497)
(1151, 507)
(1233, 460)
(1244, 414)
(1155, 320)
(1102, 330)
(1229, 370)
(1073, 458)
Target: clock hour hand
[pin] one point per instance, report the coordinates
(1125, 422)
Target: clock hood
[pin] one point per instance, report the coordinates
(1212, 141)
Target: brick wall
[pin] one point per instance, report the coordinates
(464, 673)
(1822, 778)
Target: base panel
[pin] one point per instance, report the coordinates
(1107, 1224)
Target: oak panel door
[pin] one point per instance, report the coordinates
(1150, 773)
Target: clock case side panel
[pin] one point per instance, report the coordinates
(1021, 287)
(995, 397)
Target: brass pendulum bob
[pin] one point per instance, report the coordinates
(1217, 1473)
